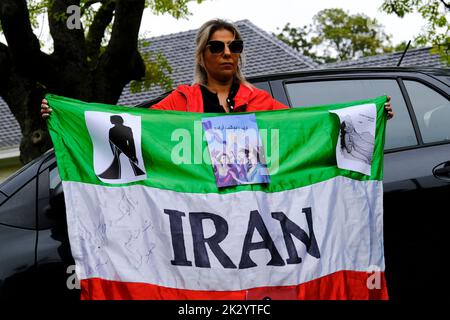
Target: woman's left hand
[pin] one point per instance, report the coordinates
(388, 108)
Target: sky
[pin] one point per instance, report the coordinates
(266, 14)
(272, 14)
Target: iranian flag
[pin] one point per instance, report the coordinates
(148, 219)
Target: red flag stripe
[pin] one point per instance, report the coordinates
(342, 285)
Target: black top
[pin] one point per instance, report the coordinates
(211, 102)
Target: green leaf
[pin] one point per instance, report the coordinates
(436, 29)
(338, 36)
(157, 73)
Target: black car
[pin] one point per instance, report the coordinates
(34, 249)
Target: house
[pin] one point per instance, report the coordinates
(421, 57)
(10, 136)
(264, 54)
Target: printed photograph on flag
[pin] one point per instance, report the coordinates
(236, 150)
(116, 140)
(356, 139)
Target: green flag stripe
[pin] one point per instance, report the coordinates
(306, 146)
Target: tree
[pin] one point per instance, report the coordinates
(436, 13)
(339, 35)
(92, 59)
(402, 46)
(298, 38)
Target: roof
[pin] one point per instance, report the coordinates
(421, 57)
(10, 133)
(264, 54)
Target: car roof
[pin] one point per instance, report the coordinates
(274, 76)
(436, 72)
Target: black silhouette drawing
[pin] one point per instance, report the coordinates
(121, 141)
(356, 145)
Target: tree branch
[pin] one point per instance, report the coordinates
(69, 43)
(5, 66)
(22, 43)
(121, 60)
(88, 4)
(125, 32)
(102, 19)
(447, 5)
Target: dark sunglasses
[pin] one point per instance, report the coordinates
(216, 46)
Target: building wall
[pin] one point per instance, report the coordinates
(9, 163)
(6, 171)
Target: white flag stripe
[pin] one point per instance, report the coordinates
(123, 233)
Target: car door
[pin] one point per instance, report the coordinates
(34, 248)
(417, 188)
(55, 267)
(416, 180)
(18, 234)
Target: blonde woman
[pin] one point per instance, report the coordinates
(219, 85)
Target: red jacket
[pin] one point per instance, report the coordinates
(247, 99)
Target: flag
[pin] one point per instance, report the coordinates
(146, 219)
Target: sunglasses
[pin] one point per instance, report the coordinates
(235, 46)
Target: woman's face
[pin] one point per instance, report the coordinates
(221, 66)
(241, 158)
(252, 157)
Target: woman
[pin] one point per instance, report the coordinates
(121, 141)
(219, 85)
(225, 171)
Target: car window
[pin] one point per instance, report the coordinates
(55, 180)
(399, 130)
(20, 209)
(263, 86)
(51, 207)
(432, 111)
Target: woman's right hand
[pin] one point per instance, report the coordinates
(45, 110)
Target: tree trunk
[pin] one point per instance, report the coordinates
(23, 96)
(27, 73)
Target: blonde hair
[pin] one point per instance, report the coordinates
(203, 35)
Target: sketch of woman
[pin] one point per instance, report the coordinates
(358, 145)
(121, 141)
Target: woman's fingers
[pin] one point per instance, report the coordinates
(388, 108)
(46, 115)
(390, 113)
(45, 110)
